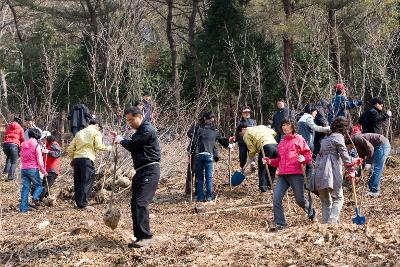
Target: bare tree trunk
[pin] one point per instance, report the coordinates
(334, 44)
(193, 51)
(348, 62)
(172, 46)
(288, 58)
(4, 94)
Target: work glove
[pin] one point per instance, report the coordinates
(301, 158)
(358, 161)
(71, 163)
(230, 146)
(351, 174)
(389, 113)
(45, 151)
(232, 139)
(113, 134)
(118, 139)
(266, 160)
(367, 167)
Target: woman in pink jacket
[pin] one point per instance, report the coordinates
(292, 152)
(32, 162)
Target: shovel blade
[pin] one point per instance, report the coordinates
(358, 219)
(237, 178)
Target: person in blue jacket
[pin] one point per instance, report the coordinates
(341, 104)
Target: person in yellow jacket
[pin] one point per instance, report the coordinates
(82, 152)
(257, 138)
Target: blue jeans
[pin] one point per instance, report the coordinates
(29, 176)
(381, 153)
(11, 151)
(204, 169)
(296, 182)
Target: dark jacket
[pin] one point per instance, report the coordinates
(371, 120)
(281, 114)
(366, 143)
(203, 139)
(341, 106)
(144, 146)
(79, 116)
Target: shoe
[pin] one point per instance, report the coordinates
(140, 243)
(253, 167)
(372, 194)
(311, 215)
(279, 227)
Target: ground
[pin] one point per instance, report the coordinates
(233, 231)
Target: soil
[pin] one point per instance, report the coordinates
(234, 230)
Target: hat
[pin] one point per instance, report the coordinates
(45, 134)
(208, 115)
(341, 87)
(246, 109)
(376, 100)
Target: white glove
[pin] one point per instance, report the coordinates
(389, 113)
(230, 146)
(45, 151)
(368, 167)
(301, 158)
(118, 139)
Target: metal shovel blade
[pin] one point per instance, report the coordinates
(358, 219)
(237, 178)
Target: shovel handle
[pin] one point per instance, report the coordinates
(353, 185)
(267, 170)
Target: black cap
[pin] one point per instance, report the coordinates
(376, 100)
(208, 115)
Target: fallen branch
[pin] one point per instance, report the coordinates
(51, 239)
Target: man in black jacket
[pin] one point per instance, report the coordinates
(372, 119)
(282, 113)
(79, 117)
(145, 151)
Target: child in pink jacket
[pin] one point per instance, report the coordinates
(32, 162)
(292, 152)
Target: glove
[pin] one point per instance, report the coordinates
(241, 170)
(266, 160)
(358, 161)
(389, 113)
(113, 134)
(45, 151)
(118, 139)
(301, 158)
(367, 167)
(351, 174)
(230, 146)
(232, 139)
(71, 163)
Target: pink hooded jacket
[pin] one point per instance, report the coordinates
(31, 156)
(289, 150)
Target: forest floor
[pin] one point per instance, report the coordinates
(232, 231)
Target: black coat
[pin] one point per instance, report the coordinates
(371, 120)
(203, 139)
(144, 146)
(79, 116)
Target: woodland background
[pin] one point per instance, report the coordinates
(194, 55)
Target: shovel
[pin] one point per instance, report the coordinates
(267, 170)
(358, 219)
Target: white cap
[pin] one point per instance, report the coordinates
(45, 134)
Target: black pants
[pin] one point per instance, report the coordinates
(83, 181)
(271, 151)
(12, 152)
(144, 185)
(242, 153)
(75, 129)
(189, 177)
(51, 178)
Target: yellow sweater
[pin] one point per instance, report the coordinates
(86, 143)
(258, 136)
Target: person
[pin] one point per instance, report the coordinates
(372, 119)
(31, 164)
(328, 176)
(204, 150)
(292, 152)
(247, 120)
(13, 137)
(79, 117)
(30, 124)
(148, 107)
(82, 152)
(341, 104)
(52, 160)
(321, 119)
(257, 138)
(375, 148)
(281, 114)
(145, 151)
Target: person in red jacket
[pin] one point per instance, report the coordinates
(52, 158)
(13, 137)
(292, 152)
